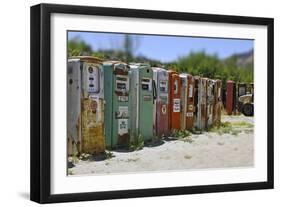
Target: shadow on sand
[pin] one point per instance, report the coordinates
(154, 143)
(168, 139)
(98, 157)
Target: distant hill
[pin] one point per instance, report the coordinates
(244, 59)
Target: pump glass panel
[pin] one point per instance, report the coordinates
(93, 79)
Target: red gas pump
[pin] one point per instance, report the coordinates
(174, 100)
(230, 97)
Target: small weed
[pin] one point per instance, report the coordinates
(243, 124)
(107, 163)
(223, 128)
(180, 133)
(188, 140)
(75, 156)
(225, 124)
(228, 128)
(109, 155)
(138, 144)
(75, 159)
(84, 156)
(195, 130)
(70, 172)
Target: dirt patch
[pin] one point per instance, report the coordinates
(201, 151)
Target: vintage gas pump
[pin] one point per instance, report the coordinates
(85, 104)
(116, 91)
(74, 98)
(187, 101)
(197, 101)
(174, 100)
(230, 97)
(143, 95)
(190, 102)
(217, 102)
(200, 103)
(161, 105)
(184, 91)
(210, 101)
(204, 114)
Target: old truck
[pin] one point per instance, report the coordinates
(245, 103)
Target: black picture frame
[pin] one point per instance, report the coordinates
(41, 99)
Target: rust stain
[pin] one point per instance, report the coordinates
(123, 139)
(120, 71)
(93, 140)
(190, 103)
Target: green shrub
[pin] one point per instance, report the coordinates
(138, 144)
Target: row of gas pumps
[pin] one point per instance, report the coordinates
(110, 104)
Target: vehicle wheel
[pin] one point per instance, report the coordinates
(248, 109)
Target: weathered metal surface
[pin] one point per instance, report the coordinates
(85, 105)
(200, 103)
(70, 146)
(142, 94)
(93, 141)
(73, 104)
(184, 95)
(117, 108)
(219, 105)
(190, 102)
(187, 101)
(73, 99)
(210, 101)
(174, 100)
(197, 100)
(217, 102)
(134, 104)
(230, 97)
(161, 105)
(204, 103)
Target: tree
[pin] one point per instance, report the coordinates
(76, 47)
(211, 66)
(131, 43)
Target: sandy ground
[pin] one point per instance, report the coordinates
(207, 150)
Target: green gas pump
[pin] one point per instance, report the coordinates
(143, 95)
(116, 93)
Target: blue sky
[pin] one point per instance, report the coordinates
(166, 48)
